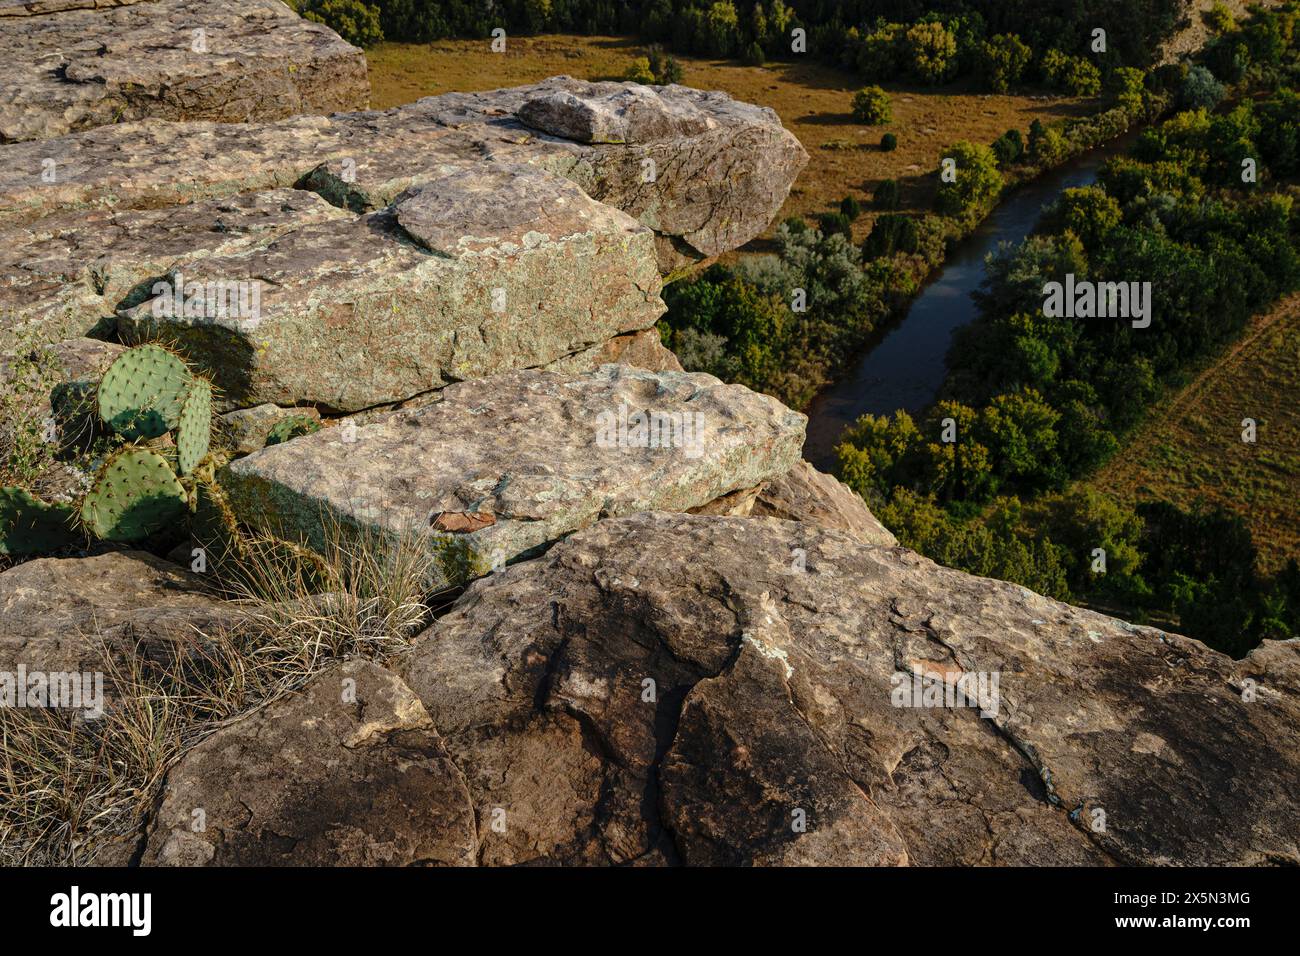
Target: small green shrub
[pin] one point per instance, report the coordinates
(871, 106)
(887, 195)
(888, 143)
(831, 223)
(1008, 147)
(891, 234)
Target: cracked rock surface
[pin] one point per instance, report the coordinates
(69, 65)
(59, 614)
(664, 688)
(351, 772)
(502, 465)
(703, 188)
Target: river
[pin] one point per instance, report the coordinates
(903, 365)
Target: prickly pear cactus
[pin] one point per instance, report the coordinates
(143, 392)
(135, 495)
(291, 427)
(29, 525)
(194, 429)
(213, 526)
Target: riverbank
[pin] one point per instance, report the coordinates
(903, 364)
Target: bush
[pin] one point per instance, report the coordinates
(1128, 90)
(886, 195)
(1089, 213)
(1219, 18)
(831, 223)
(1002, 61)
(888, 143)
(889, 235)
(753, 55)
(1045, 144)
(850, 207)
(871, 106)
(931, 52)
(354, 21)
(1072, 74)
(1008, 147)
(977, 184)
(1200, 90)
(639, 71)
(665, 68)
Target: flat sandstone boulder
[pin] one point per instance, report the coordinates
(63, 614)
(704, 186)
(69, 65)
(465, 276)
(69, 273)
(501, 466)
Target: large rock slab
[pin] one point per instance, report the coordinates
(502, 465)
(62, 614)
(68, 274)
(474, 273)
(704, 188)
(682, 692)
(69, 65)
(349, 773)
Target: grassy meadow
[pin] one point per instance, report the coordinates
(1191, 447)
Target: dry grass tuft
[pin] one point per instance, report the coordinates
(78, 792)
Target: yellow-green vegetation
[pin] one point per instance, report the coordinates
(72, 791)
(813, 100)
(1191, 445)
(27, 455)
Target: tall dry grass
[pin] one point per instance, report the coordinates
(77, 792)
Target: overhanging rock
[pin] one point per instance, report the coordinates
(503, 465)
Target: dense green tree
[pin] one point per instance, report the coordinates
(353, 20)
(931, 52)
(976, 183)
(1072, 74)
(1003, 60)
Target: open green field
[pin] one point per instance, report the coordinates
(811, 99)
(1191, 447)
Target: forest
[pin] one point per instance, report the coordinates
(1203, 207)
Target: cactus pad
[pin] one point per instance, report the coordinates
(291, 427)
(31, 526)
(143, 391)
(135, 495)
(194, 429)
